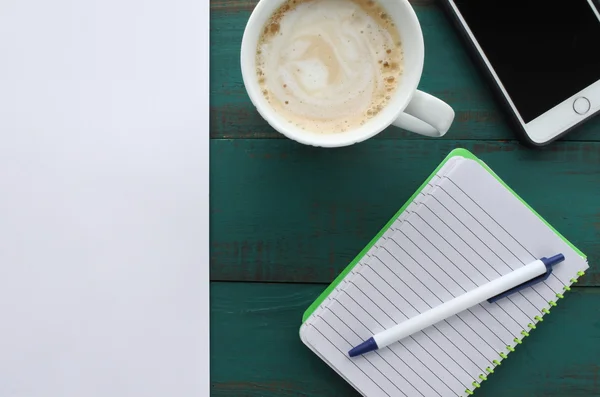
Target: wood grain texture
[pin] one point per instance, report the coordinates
(283, 212)
(256, 350)
(448, 74)
(290, 214)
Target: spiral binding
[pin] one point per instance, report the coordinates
(524, 333)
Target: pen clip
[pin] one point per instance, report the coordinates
(549, 262)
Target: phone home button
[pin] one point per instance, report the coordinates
(581, 105)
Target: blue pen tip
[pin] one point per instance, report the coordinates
(553, 260)
(365, 347)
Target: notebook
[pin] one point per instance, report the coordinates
(461, 229)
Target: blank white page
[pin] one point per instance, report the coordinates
(464, 230)
(104, 173)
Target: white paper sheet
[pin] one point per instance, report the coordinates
(104, 198)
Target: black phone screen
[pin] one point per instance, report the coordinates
(542, 51)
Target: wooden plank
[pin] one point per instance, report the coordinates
(256, 350)
(448, 73)
(284, 212)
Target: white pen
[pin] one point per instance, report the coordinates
(514, 281)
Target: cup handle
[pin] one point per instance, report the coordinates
(426, 115)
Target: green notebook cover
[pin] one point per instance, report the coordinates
(456, 152)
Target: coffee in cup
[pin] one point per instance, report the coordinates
(329, 66)
(332, 73)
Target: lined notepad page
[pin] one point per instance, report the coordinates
(461, 231)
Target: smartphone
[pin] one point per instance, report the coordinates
(542, 59)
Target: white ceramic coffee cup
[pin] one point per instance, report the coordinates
(409, 108)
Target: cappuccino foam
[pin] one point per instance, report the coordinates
(329, 65)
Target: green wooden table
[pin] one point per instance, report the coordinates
(286, 219)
